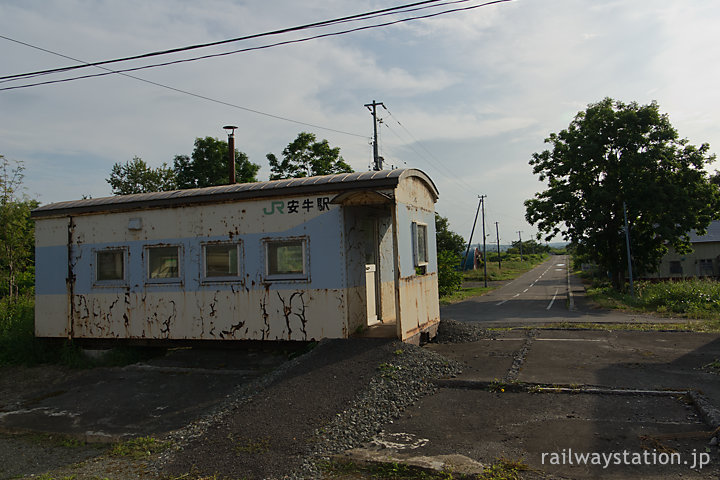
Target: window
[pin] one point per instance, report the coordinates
(222, 260)
(420, 244)
(676, 267)
(163, 262)
(110, 265)
(705, 267)
(286, 259)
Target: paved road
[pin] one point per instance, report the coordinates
(539, 296)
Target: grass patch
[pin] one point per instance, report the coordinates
(689, 326)
(139, 448)
(510, 268)
(464, 293)
(18, 345)
(504, 469)
(694, 298)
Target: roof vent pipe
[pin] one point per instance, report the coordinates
(230, 129)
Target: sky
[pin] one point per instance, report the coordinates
(470, 95)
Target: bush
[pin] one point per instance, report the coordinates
(695, 297)
(449, 277)
(17, 335)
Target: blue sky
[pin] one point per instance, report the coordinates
(470, 95)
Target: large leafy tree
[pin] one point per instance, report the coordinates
(306, 157)
(17, 247)
(137, 177)
(208, 165)
(616, 157)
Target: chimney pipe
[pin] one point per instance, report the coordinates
(230, 129)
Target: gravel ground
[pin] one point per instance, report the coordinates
(452, 331)
(336, 397)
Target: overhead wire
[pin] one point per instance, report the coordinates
(365, 15)
(248, 49)
(205, 97)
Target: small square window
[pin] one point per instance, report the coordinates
(676, 267)
(163, 262)
(110, 265)
(286, 259)
(221, 260)
(705, 267)
(420, 244)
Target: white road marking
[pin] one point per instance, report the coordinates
(553, 299)
(497, 304)
(525, 290)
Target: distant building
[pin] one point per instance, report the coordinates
(296, 259)
(703, 261)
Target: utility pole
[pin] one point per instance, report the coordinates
(520, 237)
(464, 260)
(497, 234)
(376, 156)
(482, 202)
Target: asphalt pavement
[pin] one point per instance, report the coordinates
(546, 294)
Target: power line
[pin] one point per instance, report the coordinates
(248, 49)
(360, 16)
(204, 97)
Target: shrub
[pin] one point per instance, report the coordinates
(449, 277)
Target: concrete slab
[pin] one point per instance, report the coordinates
(485, 426)
(484, 360)
(110, 404)
(625, 359)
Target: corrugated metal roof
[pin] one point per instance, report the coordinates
(224, 193)
(712, 235)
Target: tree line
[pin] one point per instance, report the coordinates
(207, 166)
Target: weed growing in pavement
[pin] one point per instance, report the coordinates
(504, 469)
(256, 446)
(713, 366)
(388, 370)
(55, 439)
(138, 448)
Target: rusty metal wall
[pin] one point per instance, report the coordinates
(328, 302)
(417, 294)
(250, 306)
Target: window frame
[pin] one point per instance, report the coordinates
(675, 267)
(222, 278)
(287, 277)
(702, 264)
(417, 262)
(114, 282)
(149, 279)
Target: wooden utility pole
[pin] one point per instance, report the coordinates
(377, 163)
(497, 233)
(464, 260)
(520, 237)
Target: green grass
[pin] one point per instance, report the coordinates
(690, 298)
(510, 268)
(139, 448)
